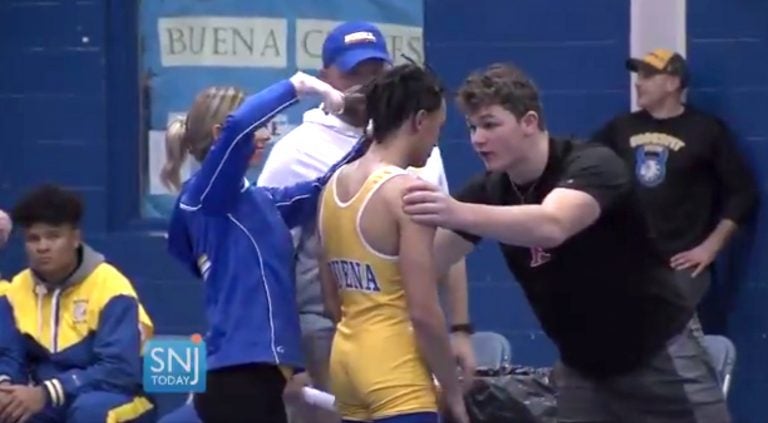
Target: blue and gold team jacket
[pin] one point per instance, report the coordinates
(84, 335)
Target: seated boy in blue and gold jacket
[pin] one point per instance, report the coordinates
(71, 325)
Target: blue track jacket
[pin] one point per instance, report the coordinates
(236, 237)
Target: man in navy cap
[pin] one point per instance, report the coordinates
(353, 54)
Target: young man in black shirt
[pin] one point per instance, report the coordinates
(566, 223)
(692, 183)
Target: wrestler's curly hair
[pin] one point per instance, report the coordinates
(399, 93)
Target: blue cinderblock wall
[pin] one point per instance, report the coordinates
(69, 95)
(728, 53)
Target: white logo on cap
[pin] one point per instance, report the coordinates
(359, 37)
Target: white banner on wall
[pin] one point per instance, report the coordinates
(188, 45)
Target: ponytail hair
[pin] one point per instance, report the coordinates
(175, 155)
(194, 135)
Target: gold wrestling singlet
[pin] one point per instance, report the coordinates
(376, 369)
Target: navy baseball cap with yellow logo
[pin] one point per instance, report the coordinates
(353, 42)
(661, 61)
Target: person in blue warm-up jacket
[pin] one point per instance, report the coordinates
(235, 236)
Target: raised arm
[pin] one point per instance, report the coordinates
(298, 203)
(593, 181)
(562, 214)
(216, 187)
(219, 182)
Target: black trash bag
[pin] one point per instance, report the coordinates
(513, 395)
(489, 402)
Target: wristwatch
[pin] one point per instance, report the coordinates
(463, 327)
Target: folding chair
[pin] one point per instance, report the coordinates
(492, 350)
(723, 354)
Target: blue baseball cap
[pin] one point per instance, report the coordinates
(352, 42)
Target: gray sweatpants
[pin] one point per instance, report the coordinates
(679, 385)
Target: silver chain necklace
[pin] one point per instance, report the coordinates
(527, 193)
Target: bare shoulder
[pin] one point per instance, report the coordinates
(393, 189)
(399, 181)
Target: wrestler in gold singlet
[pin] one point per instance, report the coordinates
(378, 273)
(376, 367)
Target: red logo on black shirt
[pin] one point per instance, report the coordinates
(539, 256)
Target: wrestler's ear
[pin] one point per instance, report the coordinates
(418, 120)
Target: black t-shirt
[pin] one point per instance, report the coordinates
(688, 174)
(602, 296)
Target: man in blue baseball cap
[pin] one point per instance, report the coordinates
(353, 54)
